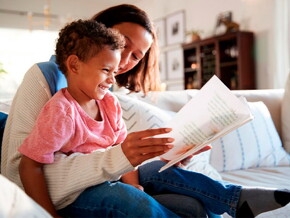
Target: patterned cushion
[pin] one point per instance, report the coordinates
(139, 115)
(256, 144)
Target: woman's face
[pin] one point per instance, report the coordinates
(138, 41)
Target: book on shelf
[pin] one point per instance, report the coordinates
(212, 113)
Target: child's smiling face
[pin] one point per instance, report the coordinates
(96, 75)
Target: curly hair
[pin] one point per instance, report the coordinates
(85, 38)
(145, 75)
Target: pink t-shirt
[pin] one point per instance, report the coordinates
(63, 125)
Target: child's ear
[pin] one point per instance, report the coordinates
(72, 63)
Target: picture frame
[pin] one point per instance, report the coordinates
(224, 16)
(162, 66)
(160, 31)
(175, 64)
(175, 28)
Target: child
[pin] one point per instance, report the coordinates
(85, 117)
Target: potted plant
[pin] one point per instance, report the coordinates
(195, 35)
(2, 69)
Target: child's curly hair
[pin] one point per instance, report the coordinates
(85, 38)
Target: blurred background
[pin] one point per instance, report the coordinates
(29, 28)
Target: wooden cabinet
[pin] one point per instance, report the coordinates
(229, 56)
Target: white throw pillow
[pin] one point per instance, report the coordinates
(285, 110)
(16, 203)
(139, 115)
(255, 144)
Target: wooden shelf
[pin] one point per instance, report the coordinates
(229, 64)
(229, 56)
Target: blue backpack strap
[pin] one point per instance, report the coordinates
(3, 118)
(54, 77)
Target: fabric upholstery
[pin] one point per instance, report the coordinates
(255, 144)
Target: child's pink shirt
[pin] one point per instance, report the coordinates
(63, 125)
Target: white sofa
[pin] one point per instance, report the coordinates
(267, 169)
(157, 108)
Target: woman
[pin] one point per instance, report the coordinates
(138, 72)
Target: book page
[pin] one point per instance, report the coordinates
(210, 114)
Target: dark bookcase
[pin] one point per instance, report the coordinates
(229, 56)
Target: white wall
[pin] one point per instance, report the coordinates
(252, 15)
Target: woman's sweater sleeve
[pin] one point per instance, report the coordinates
(69, 175)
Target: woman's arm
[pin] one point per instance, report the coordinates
(34, 183)
(78, 171)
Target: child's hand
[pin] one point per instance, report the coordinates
(140, 146)
(140, 187)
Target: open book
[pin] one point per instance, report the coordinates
(212, 113)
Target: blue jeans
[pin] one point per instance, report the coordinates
(216, 196)
(121, 200)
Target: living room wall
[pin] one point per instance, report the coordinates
(259, 16)
(263, 17)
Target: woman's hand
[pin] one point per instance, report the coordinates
(140, 146)
(186, 160)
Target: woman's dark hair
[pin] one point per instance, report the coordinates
(145, 75)
(85, 38)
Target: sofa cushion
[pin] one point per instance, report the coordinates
(140, 115)
(268, 177)
(285, 112)
(255, 144)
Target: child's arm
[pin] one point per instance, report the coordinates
(132, 178)
(33, 180)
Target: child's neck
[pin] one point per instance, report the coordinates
(90, 106)
(92, 109)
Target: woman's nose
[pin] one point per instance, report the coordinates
(124, 60)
